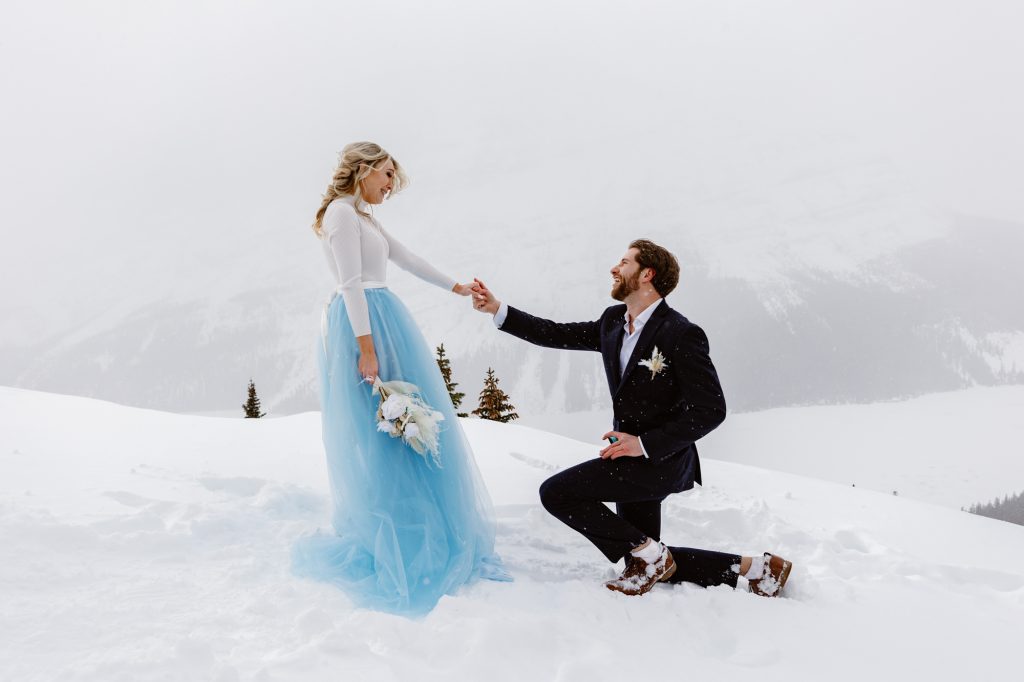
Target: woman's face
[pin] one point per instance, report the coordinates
(377, 185)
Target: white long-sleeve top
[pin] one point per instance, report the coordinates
(358, 250)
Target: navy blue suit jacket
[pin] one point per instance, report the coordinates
(670, 411)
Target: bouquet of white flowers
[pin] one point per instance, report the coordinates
(403, 414)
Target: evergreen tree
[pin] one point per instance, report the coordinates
(494, 403)
(446, 372)
(252, 405)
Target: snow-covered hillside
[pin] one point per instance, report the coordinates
(141, 545)
(955, 449)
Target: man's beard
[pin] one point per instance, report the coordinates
(625, 287)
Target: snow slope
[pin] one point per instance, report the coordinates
(954, 449)
(140, 545)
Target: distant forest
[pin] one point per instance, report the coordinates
(1010, 508)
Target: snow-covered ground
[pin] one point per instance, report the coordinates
(955, 449)
(141, 545)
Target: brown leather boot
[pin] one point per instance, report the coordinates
(774, 577)
(639, 576)
(668, 574)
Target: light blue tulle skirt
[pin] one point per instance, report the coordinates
(405, 531)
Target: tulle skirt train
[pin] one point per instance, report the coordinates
(405, 531)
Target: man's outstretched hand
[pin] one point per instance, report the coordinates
(483, 299)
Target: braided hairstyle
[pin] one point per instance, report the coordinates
(355, 163)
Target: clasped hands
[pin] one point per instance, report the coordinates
(484, 299)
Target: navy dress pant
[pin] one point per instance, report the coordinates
(576, 497)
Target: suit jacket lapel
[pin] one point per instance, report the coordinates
(645, 344)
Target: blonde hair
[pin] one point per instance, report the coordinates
(355, 163)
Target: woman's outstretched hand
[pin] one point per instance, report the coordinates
(463, 289)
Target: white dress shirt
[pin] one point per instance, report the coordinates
(358, 249)
(628, 340)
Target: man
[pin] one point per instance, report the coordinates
(665, 396)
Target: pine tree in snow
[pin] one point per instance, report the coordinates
(494, 403)
(446, 373)
(252, 405)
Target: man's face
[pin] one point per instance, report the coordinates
(625, 276)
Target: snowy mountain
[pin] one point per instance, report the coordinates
(142, 545)
(845, 303)
(777, 149)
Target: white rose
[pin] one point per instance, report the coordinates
(394, 407)
(412, 430)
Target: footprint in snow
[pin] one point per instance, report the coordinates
(533, 462)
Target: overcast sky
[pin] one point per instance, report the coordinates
(142, 142)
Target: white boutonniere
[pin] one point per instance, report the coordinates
(656, 363)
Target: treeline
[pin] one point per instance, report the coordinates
(1010, 508)
(493, 403)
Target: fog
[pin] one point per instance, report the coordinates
(150, 147)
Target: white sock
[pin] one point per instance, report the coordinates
(756, 568)
(650, 553)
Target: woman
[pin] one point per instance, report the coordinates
(407, 531)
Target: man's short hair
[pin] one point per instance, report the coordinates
(661, 260)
